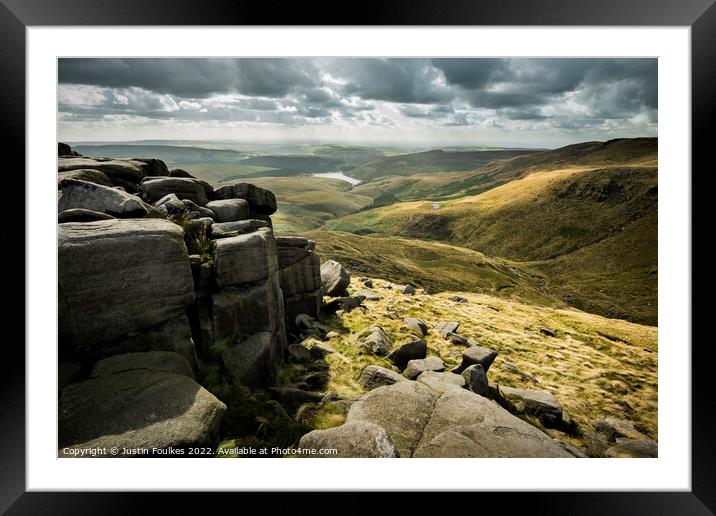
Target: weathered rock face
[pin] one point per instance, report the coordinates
(441, 382)
(124, 286)
(358, 439)
(334, 279)
(138, 408)
(74, 193)
(86, 174)
(162, 361)
(247, 306)
(81, 215)
(261, 201)
(154, 188)
(299, 277)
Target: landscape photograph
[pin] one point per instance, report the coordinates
(320, 257)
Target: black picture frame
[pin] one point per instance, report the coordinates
(700, 15)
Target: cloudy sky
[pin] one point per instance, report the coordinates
(504, 102)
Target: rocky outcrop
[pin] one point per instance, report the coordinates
(154, 188)
(229, 210)
(261, 201)
(424, 422)
(299, 276)
(125, 173)
(358, 439)
(247, 306)
(124, 285)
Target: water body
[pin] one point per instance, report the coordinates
(341, 176)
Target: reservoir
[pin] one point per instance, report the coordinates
(339, 175)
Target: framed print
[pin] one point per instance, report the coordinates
(454, 244)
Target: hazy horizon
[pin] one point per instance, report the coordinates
(426, 103)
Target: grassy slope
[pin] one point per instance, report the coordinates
(591, 229)
(596, 367)
(434, 266)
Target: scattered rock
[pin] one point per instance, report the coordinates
(447, 327)
(413, 350)
(369, 295)
(373, 340)
(415, 367)
(408, 289)
(476, 380)
(359, 439)
(292, 398)
(476, 355)
(375, 376)
(456, 340)
(416, 325)
(458, 299)
(548, 332)
(298, 354)
(334, 279)
(634, 448)
(368, 283)
(81, 215)
(441, 382)
(229, 210)
(540, 404)
(613, 428)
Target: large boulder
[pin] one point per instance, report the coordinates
(124, 285)
(464, 424)
(250, 362)
(262, 201)
(373, 340)
(162, 361)
(65, 150)
(416, 325)
(402, 409)
(232, 229)
(356, 439)
(334, 279)
(229, 210)
(74, 193)
(81, 215)
(447, 327)
(138, 409)
(416, 367)
(86, 174)
(476, 355)
(540, 404)
(413, 350)
(125, 173)
(154, 188)
(155, 167)
(375, 376)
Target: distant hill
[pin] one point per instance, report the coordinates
(168, 153)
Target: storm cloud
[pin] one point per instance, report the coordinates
(471, 101)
